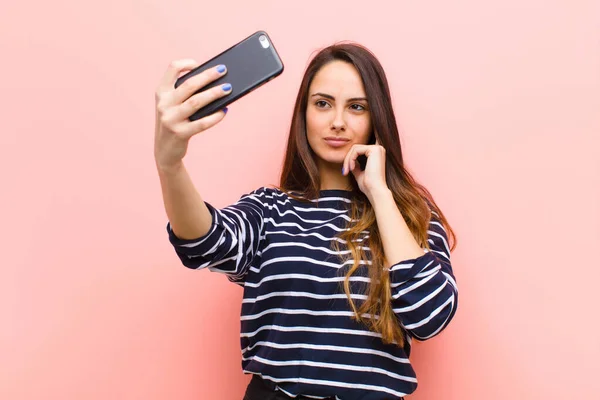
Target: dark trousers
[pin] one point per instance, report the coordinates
(260, 389)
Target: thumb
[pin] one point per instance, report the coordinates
(175, 70)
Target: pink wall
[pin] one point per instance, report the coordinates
(500, 111)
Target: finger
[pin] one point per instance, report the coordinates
(201, 99)
(350, 161)
(192, 84)
(346, 163)
(173, 71)
(193, 128)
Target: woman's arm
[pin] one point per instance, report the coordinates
(188, 215)
(398, 241)
(233, 237)
(424, 290)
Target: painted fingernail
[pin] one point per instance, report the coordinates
(225, 110)
(220, 68)
(226, 87)
(343, 170)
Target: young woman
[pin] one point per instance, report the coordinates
(344, 263)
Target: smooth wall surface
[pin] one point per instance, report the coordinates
(499, 106)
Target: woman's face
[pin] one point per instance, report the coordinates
(337, 113)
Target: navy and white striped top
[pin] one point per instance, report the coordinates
(296, 326)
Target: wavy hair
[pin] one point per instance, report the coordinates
(300, 174)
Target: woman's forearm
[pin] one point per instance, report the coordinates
(398, 242)
(188, 215)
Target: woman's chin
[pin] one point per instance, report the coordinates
(333, 156)
(333, 159)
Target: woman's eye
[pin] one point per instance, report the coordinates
(358, 107)
(321, 104)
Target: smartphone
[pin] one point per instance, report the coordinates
(250, 64)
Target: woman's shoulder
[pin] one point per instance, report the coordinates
(272, 190)
(267, 191)
(267, 194)
(273, 194)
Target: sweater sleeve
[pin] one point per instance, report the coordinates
(233, 239)
(424, 290)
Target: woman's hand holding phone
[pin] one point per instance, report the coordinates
(174, 106)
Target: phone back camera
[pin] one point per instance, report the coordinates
(264, 42)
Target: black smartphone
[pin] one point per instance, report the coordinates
(250, 64)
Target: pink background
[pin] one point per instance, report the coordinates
(499, 107)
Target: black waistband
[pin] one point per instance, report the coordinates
(265, 383)
(257, 383)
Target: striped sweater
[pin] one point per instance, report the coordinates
(296, 326)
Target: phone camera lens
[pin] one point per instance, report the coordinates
(264, 41)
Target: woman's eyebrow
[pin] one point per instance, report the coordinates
(328, 96)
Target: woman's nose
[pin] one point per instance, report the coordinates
(338, 122)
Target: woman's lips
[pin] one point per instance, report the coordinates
(336, 142)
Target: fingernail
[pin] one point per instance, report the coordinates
(225, 110)
(343, 170)
(221, 68)
(226, 87)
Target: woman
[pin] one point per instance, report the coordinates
(344, 263)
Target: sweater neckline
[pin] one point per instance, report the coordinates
(347, 194)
